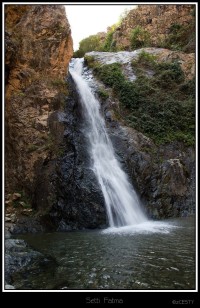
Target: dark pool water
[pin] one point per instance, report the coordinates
(153, 256)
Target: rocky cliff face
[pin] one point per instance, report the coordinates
(159, 21)
(164, 176)
(66, 194)
(38, 48)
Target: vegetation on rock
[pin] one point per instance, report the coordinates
(161, 106)
(95, 43)
(139, 28)
(181, 36)
(139, 38)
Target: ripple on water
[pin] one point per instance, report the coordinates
(135, 257)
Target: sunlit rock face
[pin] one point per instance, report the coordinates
(157, 20)
(38, 48)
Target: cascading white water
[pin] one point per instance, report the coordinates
(122, 203)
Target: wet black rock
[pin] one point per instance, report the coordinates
(26, 225)
(79, 201)
(66, 194)
(20, 258)
(164, 176)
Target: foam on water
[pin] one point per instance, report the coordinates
(145, 227)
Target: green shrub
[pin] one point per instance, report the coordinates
(107, 46)
(109, 43)
(189, 88)
(90, 61)
(181, 36)
(110, 74)
(90, 43)
(176, 38)
(162, 107)
(102, 94)
(78, 54)
(144, 61)
(146, 58)
(139, 38)
(128, 94)
(170, 71)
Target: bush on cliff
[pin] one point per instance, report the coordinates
(139, 38)
(162, 107)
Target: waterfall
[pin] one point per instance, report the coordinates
(122, 204)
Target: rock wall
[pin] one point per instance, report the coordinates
(38, 48)
(164, 176)
(78, 201)
(66, 195)
(155, 19)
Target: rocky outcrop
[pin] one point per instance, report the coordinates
(43, 45)
(38, 48)
(21, 259)
(187, 61)
(164, 176)
(158, 21)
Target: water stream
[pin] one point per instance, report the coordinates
(122, 204)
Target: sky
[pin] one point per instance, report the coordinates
(86, 20)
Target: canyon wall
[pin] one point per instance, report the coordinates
(159, 21)
(38, 48)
